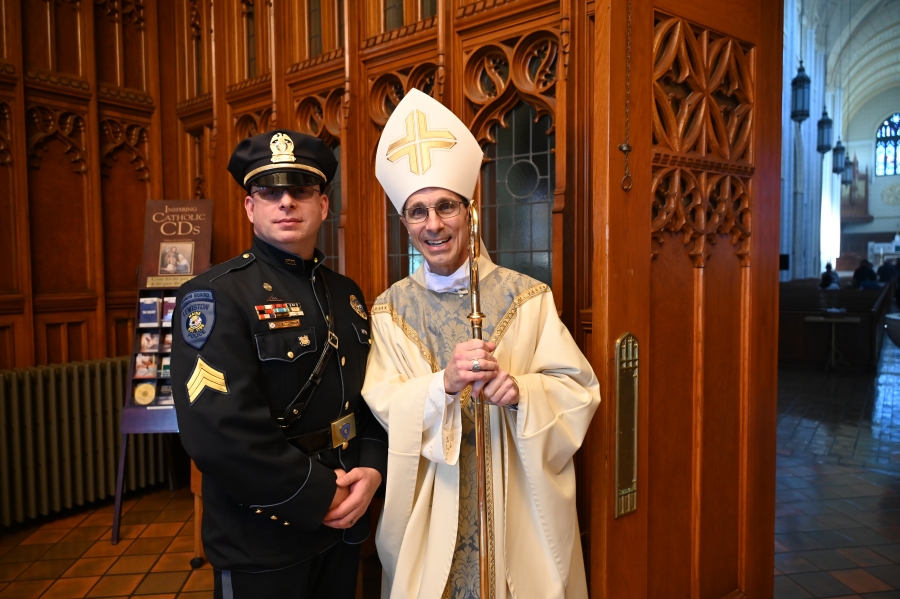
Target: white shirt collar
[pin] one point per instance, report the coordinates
(455, 282)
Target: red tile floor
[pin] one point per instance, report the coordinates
(72, 557)
(837, 528)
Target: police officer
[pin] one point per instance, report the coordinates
(268, 360)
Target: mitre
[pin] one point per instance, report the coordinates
(425, 145)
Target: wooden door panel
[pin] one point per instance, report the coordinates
(717, 420)
(669, 495)
(708, 131)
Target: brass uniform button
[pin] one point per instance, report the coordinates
(273, 517)
(343, 360)
(246, 255)
(267, 287)
(286, 523)
(316, 260)
(290, 354)
(347, 405)
(258, 511)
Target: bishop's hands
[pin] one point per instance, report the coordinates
(355, 490)
(473, 363)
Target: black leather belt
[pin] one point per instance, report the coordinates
(327, 438)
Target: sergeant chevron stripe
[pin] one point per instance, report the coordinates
(205, 376)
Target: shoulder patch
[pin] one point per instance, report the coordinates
(198, 315)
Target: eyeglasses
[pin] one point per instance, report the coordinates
(275, 194)
(445, 209)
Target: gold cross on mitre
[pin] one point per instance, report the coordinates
(419, 142)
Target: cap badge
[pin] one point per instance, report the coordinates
(418, 143)
(282, 147)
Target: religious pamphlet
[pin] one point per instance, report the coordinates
(150, 307)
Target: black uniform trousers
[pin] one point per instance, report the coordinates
(330, 574)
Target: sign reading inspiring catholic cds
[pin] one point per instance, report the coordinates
(177, 239)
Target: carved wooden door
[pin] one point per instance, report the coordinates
(678, 263)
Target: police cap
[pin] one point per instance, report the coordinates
(282, 158)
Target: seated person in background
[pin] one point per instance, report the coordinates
(829, 281)
(835, 277)
(865, 273)
(887, 272)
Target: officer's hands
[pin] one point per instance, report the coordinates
(502, 390)
(360, 485)
(341, 494)
(459, 373)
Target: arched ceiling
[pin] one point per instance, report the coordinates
(861, 39)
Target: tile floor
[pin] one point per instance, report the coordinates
(837, 528)
(837, 531)
(71, 557)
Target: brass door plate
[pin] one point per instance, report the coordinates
(626, 424)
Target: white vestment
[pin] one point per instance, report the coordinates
(531, 495)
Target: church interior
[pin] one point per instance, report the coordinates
(678, 172)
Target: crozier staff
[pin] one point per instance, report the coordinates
(422, 364)
(268, 361)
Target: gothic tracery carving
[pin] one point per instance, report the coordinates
(320, 116)
(703, 90)
(498, 76)
(64, 125)
(252, 123)
(130, 137)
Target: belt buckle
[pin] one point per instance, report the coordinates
(342, 430)
(332, 340)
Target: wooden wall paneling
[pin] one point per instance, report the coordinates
(229, 228)
(620, 272)
(61, 115)
(66, 336)
(125, 187)
(16, 309)
(354, 193)
(119, 328)
(16, 349)
(390, 64)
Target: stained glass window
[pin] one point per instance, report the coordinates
(314, 22)
(887, 140)
(328, 241)
(517, 193)
(393, 14)
(403, 258)
(429, 8)
(250, 36)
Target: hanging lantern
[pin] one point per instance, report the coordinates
(824, 139)
(847, 175)
(800, 96)
(837, 158)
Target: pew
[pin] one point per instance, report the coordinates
(808, 324)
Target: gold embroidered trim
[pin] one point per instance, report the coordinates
(513, 310)
(408, 331)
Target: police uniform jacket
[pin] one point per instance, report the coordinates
(236, 366)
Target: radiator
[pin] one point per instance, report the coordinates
(59, 439)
